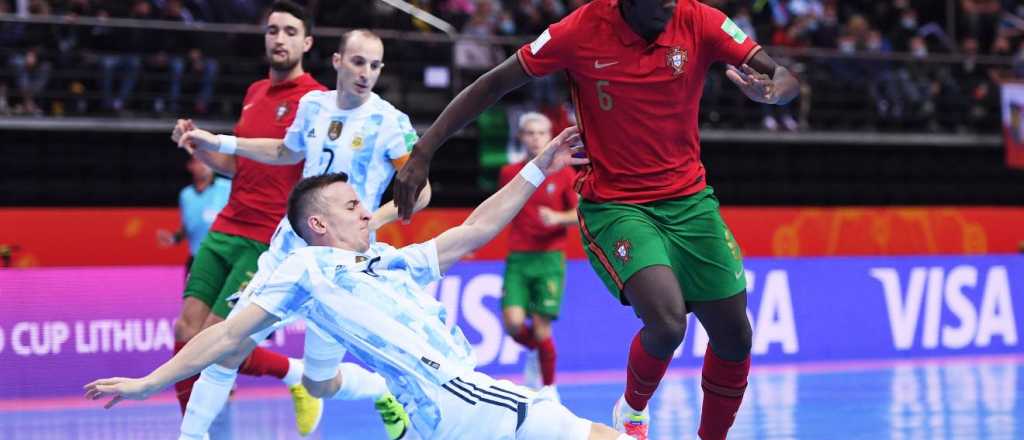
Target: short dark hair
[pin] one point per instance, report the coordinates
(303, 196)
(289, 7)
(349, 34)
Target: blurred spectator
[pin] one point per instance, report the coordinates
(477, 54)
(31, 65)
(177, 52)
(120, 52)
(979, 19)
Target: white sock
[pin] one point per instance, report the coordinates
(209, 394)
(294, 376)
(358, 383)
(624, 437)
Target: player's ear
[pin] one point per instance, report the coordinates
(316, 224)
(336, 60)
(307, 43)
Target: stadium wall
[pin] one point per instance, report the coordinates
(56, 237)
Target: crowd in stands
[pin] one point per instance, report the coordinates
(902, 92)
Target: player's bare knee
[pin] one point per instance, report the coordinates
(513, 324)
(668, 330)
(186, 327)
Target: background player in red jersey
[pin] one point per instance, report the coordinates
(227, 258)
(650, 224)
(535, 268)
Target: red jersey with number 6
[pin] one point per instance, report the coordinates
(637, 102)
(259, 192)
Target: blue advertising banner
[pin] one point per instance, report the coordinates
(806, 309)
(119, 321)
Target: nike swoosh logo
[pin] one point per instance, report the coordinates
(599, 65)
(739, 274)
(246, 107)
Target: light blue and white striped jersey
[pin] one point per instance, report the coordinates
(373, 304)
(360, 142)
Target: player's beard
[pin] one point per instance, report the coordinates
(284, 66)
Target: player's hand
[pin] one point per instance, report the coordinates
(165, 238)
(548, 216)
(180, 128)
(561, 152)
(411, 179)
(757, 86)
(119, 388)
(199, 139)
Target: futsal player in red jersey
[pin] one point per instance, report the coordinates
(227, 257)
(650, 223)
(535, 268)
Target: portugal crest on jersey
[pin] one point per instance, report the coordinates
(282, 110)
(676, 59)
(624, 251)
(334, 130)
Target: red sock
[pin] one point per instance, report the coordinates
(724, 383)
(262, 362)
(546, 353)
(525, 337)
(643, 374)
(183, 388)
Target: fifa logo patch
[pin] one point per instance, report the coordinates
(624, 251)
(334, 130)
(282, 110)
(676, 59)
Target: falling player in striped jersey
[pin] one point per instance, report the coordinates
(368, 298)
(348, 130)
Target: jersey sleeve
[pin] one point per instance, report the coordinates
(399, 137)
(722, 39)
(286, 290)
(295, 137)
(554, 49)
(505, 175)
(569, 195)
(421, 262)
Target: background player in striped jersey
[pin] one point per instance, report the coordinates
(226, 259)
(650, 222)
(535, 269)
(350, 130)
(368, 298)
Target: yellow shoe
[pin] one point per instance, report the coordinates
(396, 420)
(308, 409)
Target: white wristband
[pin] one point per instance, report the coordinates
(532, 174)
(228, 144)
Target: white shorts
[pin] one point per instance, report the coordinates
(478, 406)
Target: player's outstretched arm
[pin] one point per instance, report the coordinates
(763, 80)
(389, 212)
(467, 106)
(494, 213)
(266, 150)
(206, 348)
(222, 164)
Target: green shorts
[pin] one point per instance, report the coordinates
(686, 234)
(222, 266)
(534, 281)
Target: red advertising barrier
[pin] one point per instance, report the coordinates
(117, 237)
